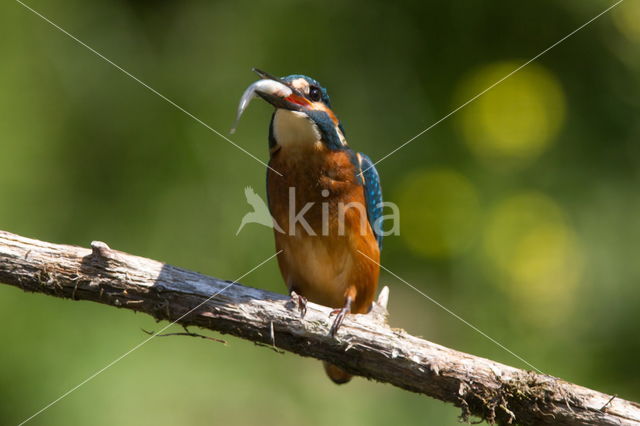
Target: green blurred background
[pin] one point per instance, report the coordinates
(519, 213)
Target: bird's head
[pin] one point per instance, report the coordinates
(303, 111)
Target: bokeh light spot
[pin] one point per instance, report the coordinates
(536, 254)
(439, 210)
(627, 20)
(514, 121)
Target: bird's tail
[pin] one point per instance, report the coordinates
(337, 375)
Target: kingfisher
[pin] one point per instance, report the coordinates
(325, 199)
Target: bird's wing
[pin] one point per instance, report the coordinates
(372, 195)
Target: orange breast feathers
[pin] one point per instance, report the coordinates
(319, 205)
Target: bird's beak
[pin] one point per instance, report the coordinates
(278, 96)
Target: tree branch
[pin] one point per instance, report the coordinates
(365, 345)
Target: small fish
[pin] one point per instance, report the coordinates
(266, 86)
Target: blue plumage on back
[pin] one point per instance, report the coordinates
(372, 195)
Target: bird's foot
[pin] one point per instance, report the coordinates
(300, 302)
(340, 314)
(338, 321)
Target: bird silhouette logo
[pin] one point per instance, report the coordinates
(260, 213)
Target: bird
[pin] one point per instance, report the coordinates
(327, 199)
(260, 213)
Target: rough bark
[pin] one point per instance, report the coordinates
(365, 345)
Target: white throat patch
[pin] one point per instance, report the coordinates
(291, 128)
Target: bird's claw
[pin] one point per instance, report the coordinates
(300, 302)
(341, 313)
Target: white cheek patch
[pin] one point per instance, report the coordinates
(343, 141)
(294, 128)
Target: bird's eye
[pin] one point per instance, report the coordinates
(314, 93)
